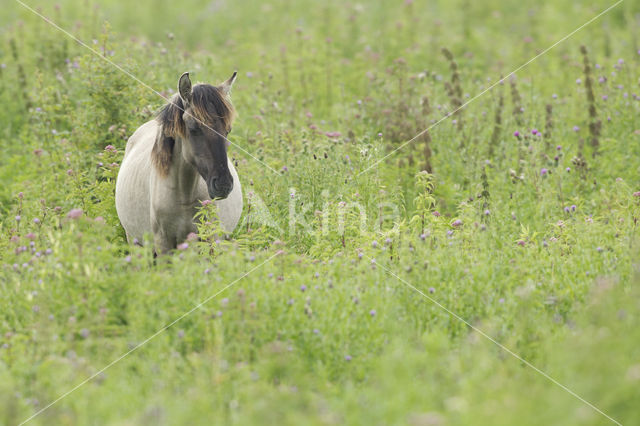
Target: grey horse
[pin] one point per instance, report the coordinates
(175, 162)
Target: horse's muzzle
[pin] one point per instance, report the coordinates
(220, 188)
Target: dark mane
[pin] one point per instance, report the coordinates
(208, 105)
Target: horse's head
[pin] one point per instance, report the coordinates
(200, 117)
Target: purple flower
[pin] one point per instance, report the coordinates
(84, 333)
(74, 213)
(576, 128)
(347, 357)
(379, 135)
(48, 251)
(567, 210)
(516, 134)
(456, 223)
(436, 213)
(374, 244)
(573, 208)
(432, 290)
(599, 249)
(554, 96)
(543, 171)
(372, 312)
(303, 288)
(423, 237)
(183, 246)
(535, 132)
(568, 169)
(578, 81)
(487, 212)
(127, 259)
(559, 147)
(521, 243)
(18, 218)
(36, 221)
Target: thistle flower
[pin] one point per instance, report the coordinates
(543, 171)
(456, 223)
(372, 312)
(74, 214)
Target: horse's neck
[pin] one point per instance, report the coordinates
(182, 178)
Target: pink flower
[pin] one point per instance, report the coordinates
(183, 246)
(74, 213)
(206, 202)
(436, 213)
(192, 236)
(456, 223)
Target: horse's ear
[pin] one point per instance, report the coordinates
(226, 86)
(184, 88)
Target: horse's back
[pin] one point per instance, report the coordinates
(132, 186)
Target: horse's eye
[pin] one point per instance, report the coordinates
(195, 130)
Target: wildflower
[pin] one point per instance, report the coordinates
(303, 288)
(449, 233)
(576, 128)
(432, 290)
(372, 312)
(567, 210)
(110, 148)
(554, 96)
(192, 236)
(379, 135)
(374, 244)
(183, 246)
(516, 134)
(423, 237)
(206, 271)
(31, 236)
(636, 194)
(84, 333)
(487, 212)
(436, 213)
(347, 357)
(456, 223)
(388, 240)
(599, 249)
(573, 208)
(316, 331)
(290, 302)
(74, 213)
(18, 218)
(205, 202)
(501, 300)
(568, 169)
(521, 243)
(37, 152)
(36, 221)
(180, 334)
(285, 168)
(578, 81)
(127, 259)
(535, 132)
(543, 171)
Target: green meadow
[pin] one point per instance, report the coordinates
(427, 237)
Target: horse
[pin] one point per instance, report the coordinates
(177, 161)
